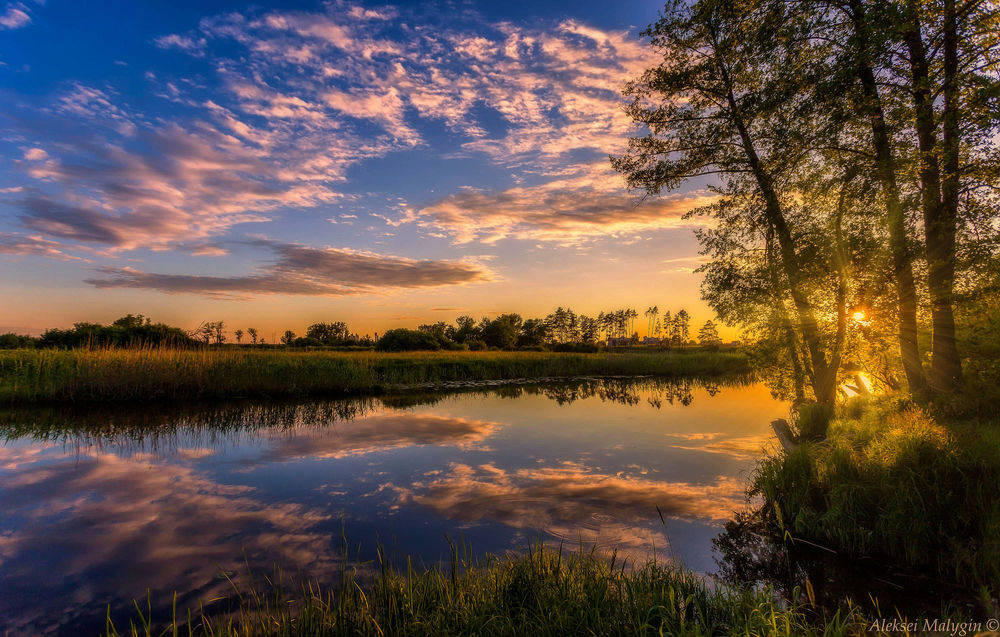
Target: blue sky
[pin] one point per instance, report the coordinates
(283, 163)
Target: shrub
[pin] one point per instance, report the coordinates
(404, 340)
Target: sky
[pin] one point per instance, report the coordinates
(272, 165)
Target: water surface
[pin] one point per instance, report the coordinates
(99, 506)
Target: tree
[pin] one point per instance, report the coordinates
(335, 333)
(708, 334)
(288, 337)
(219, 332)
(711, 110)
(252, 332)
(502, 331)
(239, 336)
(401, 339)
(534, 333)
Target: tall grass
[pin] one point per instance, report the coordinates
(133, 374)
(544, 592)
(892, 481)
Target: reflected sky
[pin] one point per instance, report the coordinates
(100, 506)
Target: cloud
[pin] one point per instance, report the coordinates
(303, 270)
(184, 43)
(572, 502)
(376, 433)
(587, 205)
(291, 101)
(14, 16)
(84, 512)
(23, 245)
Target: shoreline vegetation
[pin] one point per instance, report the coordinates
(85, 375)
(544, 591)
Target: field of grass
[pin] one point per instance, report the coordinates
(542, 593)
(121, 374)
(911, 484)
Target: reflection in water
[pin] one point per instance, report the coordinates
(572, 503)
(161, 526)
(752, 554)
(100, 505)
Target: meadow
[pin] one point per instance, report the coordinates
(541, 592)
(31, 376)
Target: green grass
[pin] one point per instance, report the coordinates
(893, 480)
(139, 374)
(544, 592)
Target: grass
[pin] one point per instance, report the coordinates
(28, 376)
(912, 484)
(544, 592)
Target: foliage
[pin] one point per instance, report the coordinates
(127, 331)
(892, 481)
(17, 341)
(404, 340)
(854, 144)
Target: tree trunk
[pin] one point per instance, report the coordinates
(824, 378)
(895, 220)
(939, 222)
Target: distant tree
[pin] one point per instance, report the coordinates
(534, 333)
(682, 327)
(402, 340)
(131, 321)
(502, 331)
(204, 332)
(335, 333)
(708, 334)
(589, 329)
(16, 341)
(288, 337)
(466, 330)
(218, 332)
(239, 336)
(252, 332)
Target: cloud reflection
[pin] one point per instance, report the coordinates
(146, 523)
(573, 503)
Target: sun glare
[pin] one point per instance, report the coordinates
(859, 316)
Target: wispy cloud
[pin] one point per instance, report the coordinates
(293, 100)
(302, 270)
(15, 15)
(22, 245)
(587, 205)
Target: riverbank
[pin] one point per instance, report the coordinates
(34, 376)
(901, 482)
(544, 592)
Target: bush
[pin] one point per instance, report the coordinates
(404, 340)
(16, 341)
(580, 348)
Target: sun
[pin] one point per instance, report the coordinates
(858, 316)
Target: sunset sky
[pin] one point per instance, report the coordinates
(277, 164)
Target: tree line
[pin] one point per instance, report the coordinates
(854, 149)
(561, 330)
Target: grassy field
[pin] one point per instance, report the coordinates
(542, 593)
(121, 374)
(911, 484)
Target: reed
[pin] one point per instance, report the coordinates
(543, 592)
(175, 374)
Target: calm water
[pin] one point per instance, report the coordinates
(98, 507)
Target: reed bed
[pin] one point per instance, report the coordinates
(543, 592)
(139, 374)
